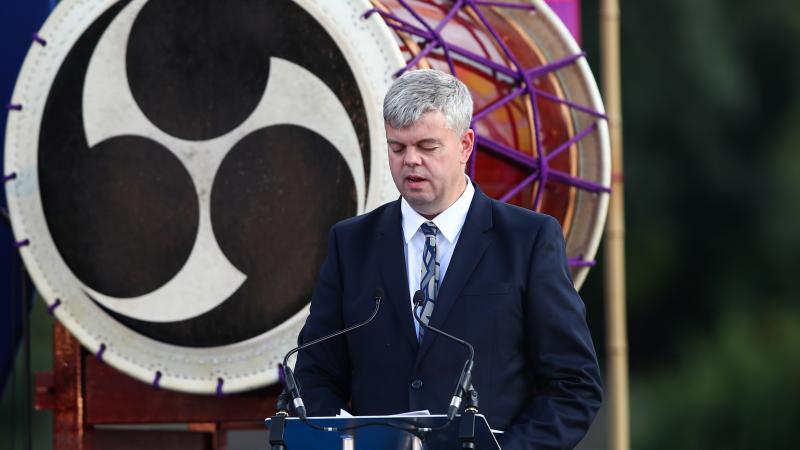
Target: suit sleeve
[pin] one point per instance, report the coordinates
(323, 370)
(567, 386)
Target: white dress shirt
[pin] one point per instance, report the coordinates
(449, 224)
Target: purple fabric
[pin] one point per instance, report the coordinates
(220, 382)
(9, 177)
(505, 5)
(157, 380)
(569, 11)
(13, 106)
(22, 243)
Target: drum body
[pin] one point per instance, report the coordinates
(174, 165)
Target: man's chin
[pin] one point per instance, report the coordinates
(420, 203)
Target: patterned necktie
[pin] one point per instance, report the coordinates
(430, 274)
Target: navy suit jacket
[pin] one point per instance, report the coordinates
(507, 290)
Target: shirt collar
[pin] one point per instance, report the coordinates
(449, 222)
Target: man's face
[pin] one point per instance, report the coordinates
(427, 162)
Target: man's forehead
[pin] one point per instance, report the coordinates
(424, 140)
(431, 125)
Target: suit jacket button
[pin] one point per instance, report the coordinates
(416, 384)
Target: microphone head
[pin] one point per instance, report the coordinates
(419, 297)
(378, 294)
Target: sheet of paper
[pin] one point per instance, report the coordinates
(423, 412)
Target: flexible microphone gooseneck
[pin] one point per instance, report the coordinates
(292, 390)
(291, 385)
(465, 380)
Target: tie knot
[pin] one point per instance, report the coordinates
(428, 228)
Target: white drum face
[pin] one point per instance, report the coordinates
(178, 169)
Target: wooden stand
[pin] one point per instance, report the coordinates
(90, 400)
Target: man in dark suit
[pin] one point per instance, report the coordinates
(493, 274)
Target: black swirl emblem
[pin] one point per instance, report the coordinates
(193, 155)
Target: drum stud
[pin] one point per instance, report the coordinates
(13, 106)
(157, 379)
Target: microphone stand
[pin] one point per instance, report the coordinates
(464, 387)
(278, 423)
(292, 390)
(466, 427)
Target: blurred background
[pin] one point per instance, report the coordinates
(711, 104)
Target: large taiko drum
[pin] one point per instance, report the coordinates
(172, 167)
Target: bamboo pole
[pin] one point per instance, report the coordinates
(616, 329)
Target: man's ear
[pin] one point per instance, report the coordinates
(467, 145)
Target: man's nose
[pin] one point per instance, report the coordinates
(412, 157)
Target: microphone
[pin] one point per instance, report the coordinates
(292, 389)
(465, 380)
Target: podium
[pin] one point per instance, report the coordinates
(377, 433)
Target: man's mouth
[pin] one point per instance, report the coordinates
(415, 178)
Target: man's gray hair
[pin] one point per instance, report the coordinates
(420, 91)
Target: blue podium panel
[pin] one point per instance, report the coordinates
(378, 433)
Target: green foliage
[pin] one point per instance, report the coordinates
(711, 106)
(735, 389)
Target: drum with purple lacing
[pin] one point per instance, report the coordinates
(541, 131)
(173, 166)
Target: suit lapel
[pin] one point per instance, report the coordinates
(391, 254)
(472, 242)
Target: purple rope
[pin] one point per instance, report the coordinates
(436, 40)
(220, 382)
(571, 104)
(528, 180)
(22, 243)
(508, 152)
(13, 106)
(9, 177)
(100, 352)
(51, 308)
(498, 103)
(537, 127)
(543, 176)
(528, 89)
(554, 65)
(580, 262)
(39, 40)
(580, 135)
(450, 14)
(579, 183)
(411, 29)
(484, 61)
(504, 5)
(157, 380)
